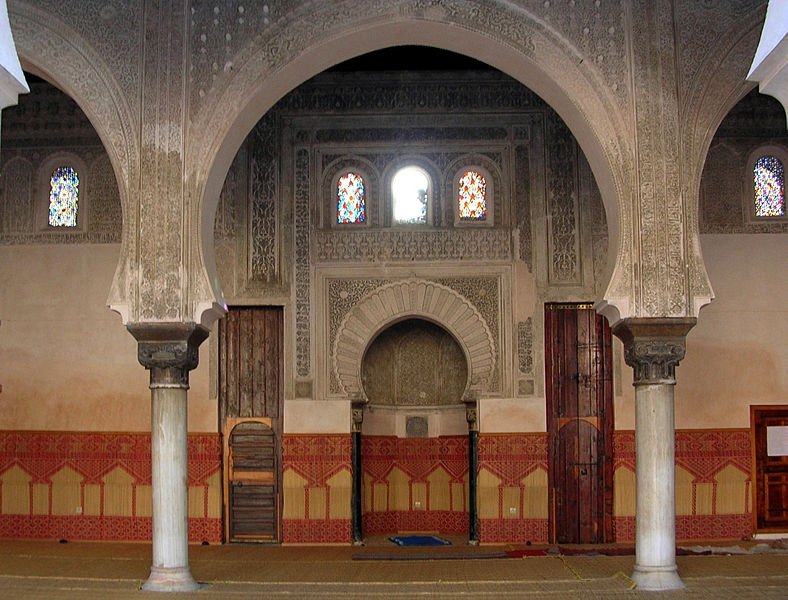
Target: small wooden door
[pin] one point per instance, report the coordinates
(769, 426)
(578, 372)
(250, 415)
(251, 488)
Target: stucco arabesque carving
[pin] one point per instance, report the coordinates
(220, 93)
(415, 298)
(714, 87)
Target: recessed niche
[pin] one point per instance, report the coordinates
(414, 363)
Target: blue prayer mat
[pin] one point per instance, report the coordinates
(419, 540)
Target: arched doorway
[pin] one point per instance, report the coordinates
(414, 439)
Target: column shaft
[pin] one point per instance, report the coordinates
(653, 347)
(169, 477)
(655, 521)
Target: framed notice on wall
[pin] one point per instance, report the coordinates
(777, 440)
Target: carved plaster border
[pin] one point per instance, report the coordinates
(412, 298)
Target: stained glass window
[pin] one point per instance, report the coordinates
(63, 197)
(351, 199)
(472, 197)
(768, 176)
(409, 192)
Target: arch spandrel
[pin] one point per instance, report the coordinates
(413, 298)
(544, 52)
(53, 50)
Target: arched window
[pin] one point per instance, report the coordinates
(410, 191)
(63, 197)
(351, 199)
(769, 186)
(472, 197)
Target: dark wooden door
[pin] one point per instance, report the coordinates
(250, 414)
(578, 373)
(769, 425)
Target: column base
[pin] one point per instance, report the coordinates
(657, 578)
(170, 579)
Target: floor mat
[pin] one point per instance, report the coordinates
(419, 540)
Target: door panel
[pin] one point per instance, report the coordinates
(578, 364)
(250, 396)
(769, 425)
(252, 487)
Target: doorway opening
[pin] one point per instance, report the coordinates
(579, 388)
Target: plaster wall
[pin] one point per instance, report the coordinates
(66, 361)
(737, 355)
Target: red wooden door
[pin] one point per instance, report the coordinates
(578, 373)
(769, 426)
(250, 415)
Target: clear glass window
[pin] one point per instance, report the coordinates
(410, 189)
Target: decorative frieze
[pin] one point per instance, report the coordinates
(402, 245)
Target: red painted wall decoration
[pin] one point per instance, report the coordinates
(96, 486)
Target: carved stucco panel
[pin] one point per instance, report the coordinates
(264, 200)
(163, 201)
(111, 27)
(662, 280)
(303, 276)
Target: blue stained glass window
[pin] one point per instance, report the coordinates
(351, 199)
(769, 181)
(472, 197)
(63, 197)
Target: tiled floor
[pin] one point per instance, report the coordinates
(84, 570)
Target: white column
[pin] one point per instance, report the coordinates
(170, 569)
(169, 352)
(655, 520)
(653, 347)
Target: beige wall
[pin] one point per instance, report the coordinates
(737, 355)
(66, 361)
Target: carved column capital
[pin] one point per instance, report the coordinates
(653, 347)
(357, 413)
(168, 350)
(472, 414)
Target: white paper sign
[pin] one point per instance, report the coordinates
(777, 441)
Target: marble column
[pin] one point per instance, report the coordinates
(356, 498)
(472, 417)
(653, 347)
(169, 352)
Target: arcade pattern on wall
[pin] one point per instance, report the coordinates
(713, 485)
(97, 486)
(317, 485)
(414, 484)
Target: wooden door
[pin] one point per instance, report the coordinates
(250, 414)
(578, 373)
(769, 425)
